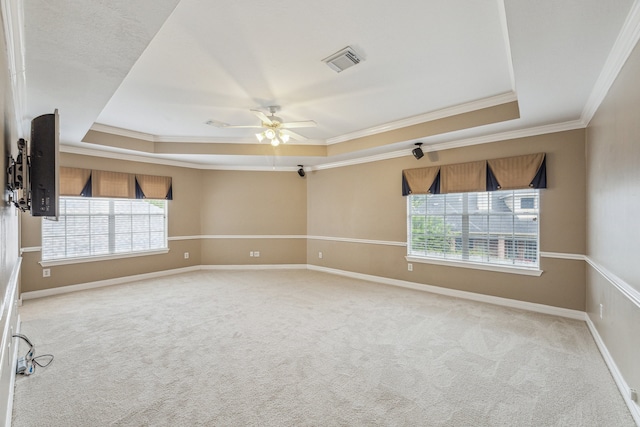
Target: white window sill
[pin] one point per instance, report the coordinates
(467, 264)
(79, 260)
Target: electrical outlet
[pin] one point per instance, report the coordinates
(256, 253)
(601, 310)
(633, 394)
(46, 272)
(320, 255)
(186, 255)
(410, 267)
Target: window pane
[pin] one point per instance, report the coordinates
(499, 227)
(123, 224)
(156, 223)
(156, 240)
(92, 226)
(122, 207)
(100, 224)
(123, 243)
(100, 244)
(99, 206)
(140, 241)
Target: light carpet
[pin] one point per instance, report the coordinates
(303, 348)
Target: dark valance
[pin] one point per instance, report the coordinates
(509, 173)
(97, 183)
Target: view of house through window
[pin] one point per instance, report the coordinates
(99, 227)
(497, 227)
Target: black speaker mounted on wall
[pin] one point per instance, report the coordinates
(417, 152)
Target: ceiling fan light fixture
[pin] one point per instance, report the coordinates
(284, 137)
(260, 136)
(275, 142)
(270, 133)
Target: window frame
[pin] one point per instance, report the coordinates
(113, 253)
(533, 270)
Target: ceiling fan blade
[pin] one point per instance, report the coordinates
(216, 123)
(243, 127)
(305, 124)
(262, 116)
(294, 135)
(223, 125)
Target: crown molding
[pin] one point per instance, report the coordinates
(427, 117)
(99, 127)
(112, 130)
(521, 133)
(361, 160)
(71, 149)
(13, 22)
(503, 136)
(158, 161)
(204, 140)
(622, 48)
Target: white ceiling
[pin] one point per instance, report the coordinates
(162, 68)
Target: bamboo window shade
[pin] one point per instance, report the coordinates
(420, 180)
(113, 184)
(463, 177)
(154, 187)
(516, 172)
(509, 173)
(73, 181)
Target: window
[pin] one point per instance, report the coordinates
(101, 227)
(496, 228)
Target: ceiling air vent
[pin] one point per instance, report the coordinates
(342, 60)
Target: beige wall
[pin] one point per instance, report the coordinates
(365, 202)
(9, 233)
(183, 220)
(613, 206)
(254, 204)
(206, 203)
(270, 212)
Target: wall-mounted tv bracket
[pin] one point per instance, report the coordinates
(18, 178)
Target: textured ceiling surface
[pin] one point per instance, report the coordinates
(163, 68)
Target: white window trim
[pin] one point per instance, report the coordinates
(477, 266)
(80, 260)
(501, 268)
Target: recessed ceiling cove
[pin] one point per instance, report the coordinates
(221, 59)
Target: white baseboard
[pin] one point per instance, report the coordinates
(615, 372)
(530, 306)
(506, 302)
(121, 280)
(101, 283)
(255, 267)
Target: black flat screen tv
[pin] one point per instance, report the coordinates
(44, 176)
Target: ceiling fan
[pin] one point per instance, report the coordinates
(276, 131)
